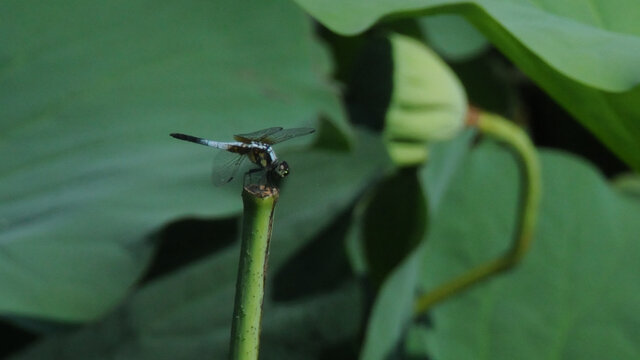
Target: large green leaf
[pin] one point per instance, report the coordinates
(585, 56)
(575, 296)
(89, 94)
(187, 314)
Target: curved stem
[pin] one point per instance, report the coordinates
(518, 141)
(256, 235)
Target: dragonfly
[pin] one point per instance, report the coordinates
(255, 146)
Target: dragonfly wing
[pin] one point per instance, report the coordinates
(256, 177)
(286, 134)
(225, 167)
(256, 135)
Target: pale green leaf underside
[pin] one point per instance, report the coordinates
(452, 36)
(595, 42)
(585, 54)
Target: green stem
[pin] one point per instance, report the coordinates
(518, 141)
(256, 235)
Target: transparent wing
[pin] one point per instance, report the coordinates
(225, 167)
(286, 134)
(256, 177)
(256, 135)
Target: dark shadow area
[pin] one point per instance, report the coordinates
(401, 351)
(185, 241)
(371, 84)
(397, 211)
(490, 82)
(319, 267)
(346, 350)
(552, 126)
(14, 338)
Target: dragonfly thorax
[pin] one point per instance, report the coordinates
(262, 154)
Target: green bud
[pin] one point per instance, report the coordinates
(427, 103)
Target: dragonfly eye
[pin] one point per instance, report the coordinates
(283, 169)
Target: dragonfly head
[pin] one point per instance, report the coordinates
(282, 169)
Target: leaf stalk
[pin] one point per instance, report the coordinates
(529, 166)
(259, 205)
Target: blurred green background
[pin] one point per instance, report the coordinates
(115, 244)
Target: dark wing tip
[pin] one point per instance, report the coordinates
(219, 181)
(305, 131)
